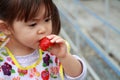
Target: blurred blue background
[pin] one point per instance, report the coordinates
(92, 27)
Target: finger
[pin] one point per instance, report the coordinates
(55, 39)
(60, 40)
(51, 36)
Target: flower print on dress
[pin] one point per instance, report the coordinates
(54, 71)
(2, 79)
(1, 59)
(16, 78)
(57, 61)
(4, 53)
(7, 69)
(10, 60)
(34, 73)
(47, 60)
(45, 74)
(22, 72)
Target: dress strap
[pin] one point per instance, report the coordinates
(61, 68)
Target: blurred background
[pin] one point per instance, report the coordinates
(92, 27)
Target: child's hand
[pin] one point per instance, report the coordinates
(59, 49)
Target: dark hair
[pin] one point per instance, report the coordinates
(11, 10)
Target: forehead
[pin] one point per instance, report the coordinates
(41, 13)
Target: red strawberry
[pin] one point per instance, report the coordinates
(45, 75)
(45, 44)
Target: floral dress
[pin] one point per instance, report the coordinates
(36, 66)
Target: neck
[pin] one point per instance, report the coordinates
(18, 50)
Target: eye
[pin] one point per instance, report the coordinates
(48, 19)
(33, 24)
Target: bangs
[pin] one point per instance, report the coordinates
(11, 10)
(28, 9)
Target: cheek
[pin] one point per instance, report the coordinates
(26, 39)
(50, 29)
(29, 39)
(30, 42)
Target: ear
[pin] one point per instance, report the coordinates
(4, 28)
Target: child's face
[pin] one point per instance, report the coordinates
(28, 34)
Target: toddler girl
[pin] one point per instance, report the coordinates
(25, 23)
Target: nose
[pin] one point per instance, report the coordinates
(41, 31)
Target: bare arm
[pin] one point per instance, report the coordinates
(71, 65)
